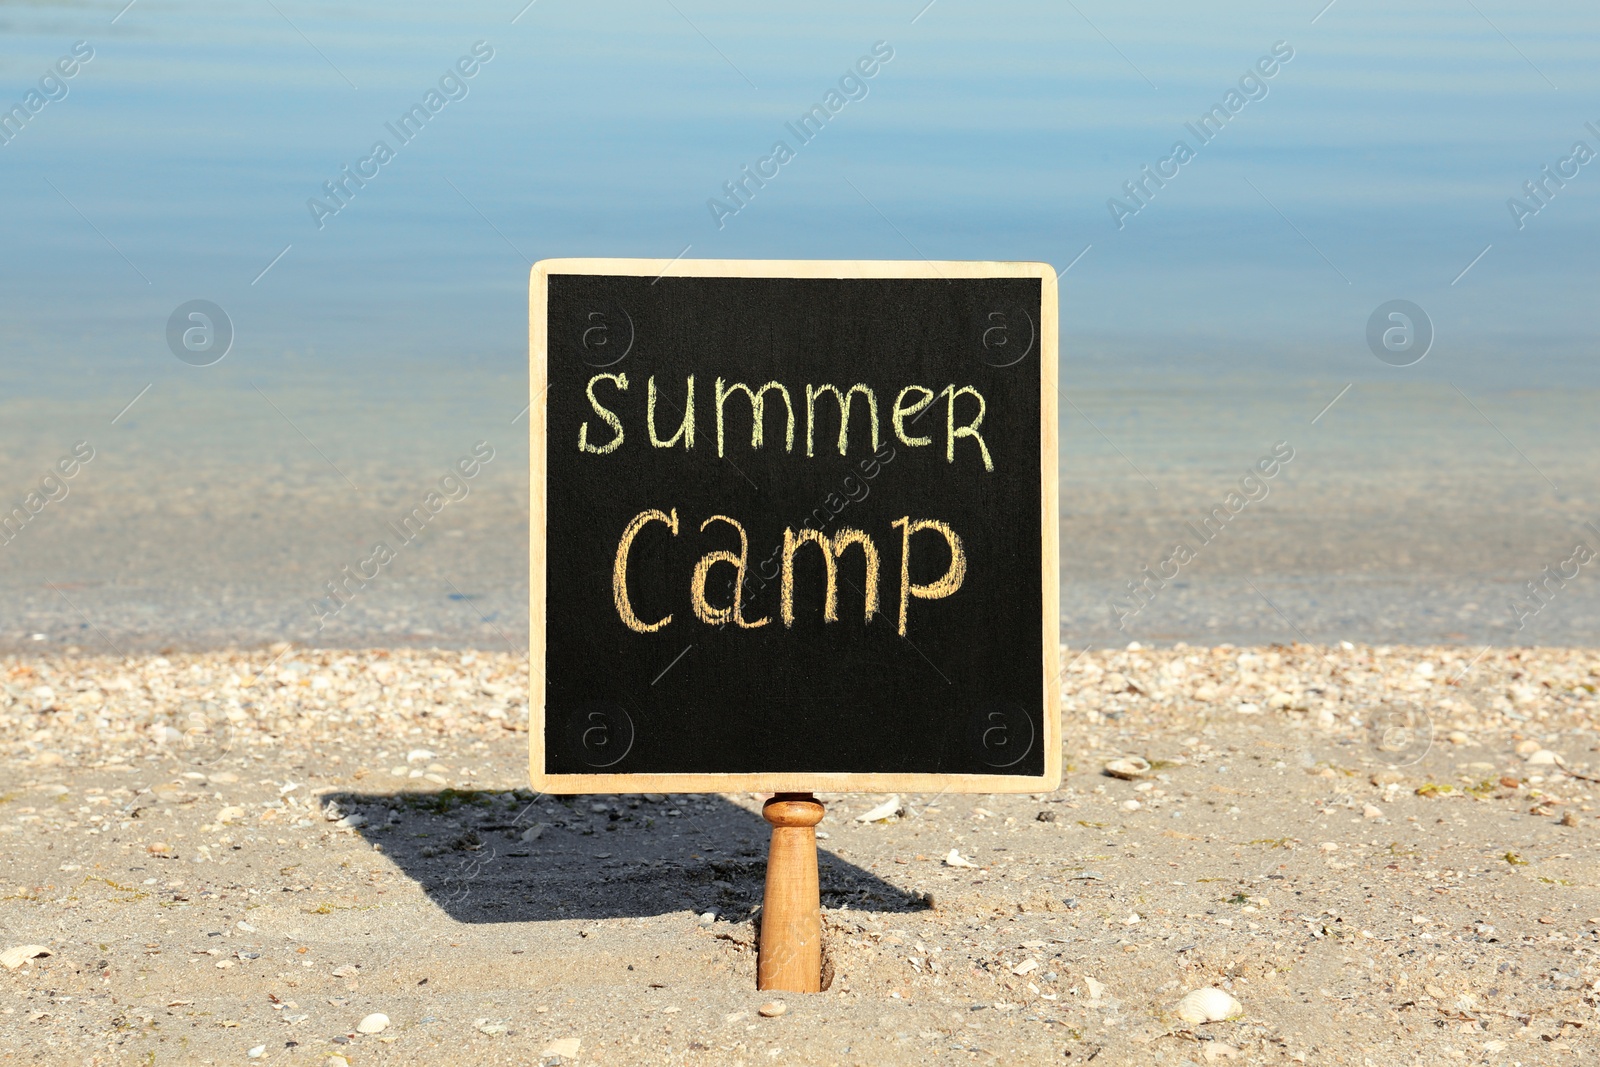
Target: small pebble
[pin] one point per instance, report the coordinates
(1543, 758)
(772, 1009)
(1209, 1005)
(257, 1052)
(376, 1023)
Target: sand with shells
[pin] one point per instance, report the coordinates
(1385, 855)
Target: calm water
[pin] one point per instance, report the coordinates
(380, 332)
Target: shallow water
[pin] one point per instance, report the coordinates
(375, 344)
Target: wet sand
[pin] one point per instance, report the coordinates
(208, 521)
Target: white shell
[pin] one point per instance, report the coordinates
(18, 955)
(1208, 1005)
(376, 1023)
(887, 810)
(1129, 768)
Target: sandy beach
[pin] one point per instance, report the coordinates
(232, 862)
(294, 512)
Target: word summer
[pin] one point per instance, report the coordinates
(909, 405)
(830, 549)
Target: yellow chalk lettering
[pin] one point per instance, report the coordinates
(933, 590)
(685, 428)
(702, 607)
(832, 549)
(757, 411)
(900, 413)
(619, 569)
(845, 399)
(969, 430)
(611, 420)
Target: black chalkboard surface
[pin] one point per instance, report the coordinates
(794, 526)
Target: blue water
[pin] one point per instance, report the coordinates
(1374, 163)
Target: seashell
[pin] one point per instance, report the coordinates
(1209, 1005)
(1128, 768)
(18, 955)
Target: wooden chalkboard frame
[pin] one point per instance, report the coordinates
(810, 781)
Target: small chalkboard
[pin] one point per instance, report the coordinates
(794, 526)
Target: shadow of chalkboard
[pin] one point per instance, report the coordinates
(466, 850)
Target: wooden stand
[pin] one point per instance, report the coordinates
(790, 954)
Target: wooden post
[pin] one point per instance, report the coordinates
(790, 954)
